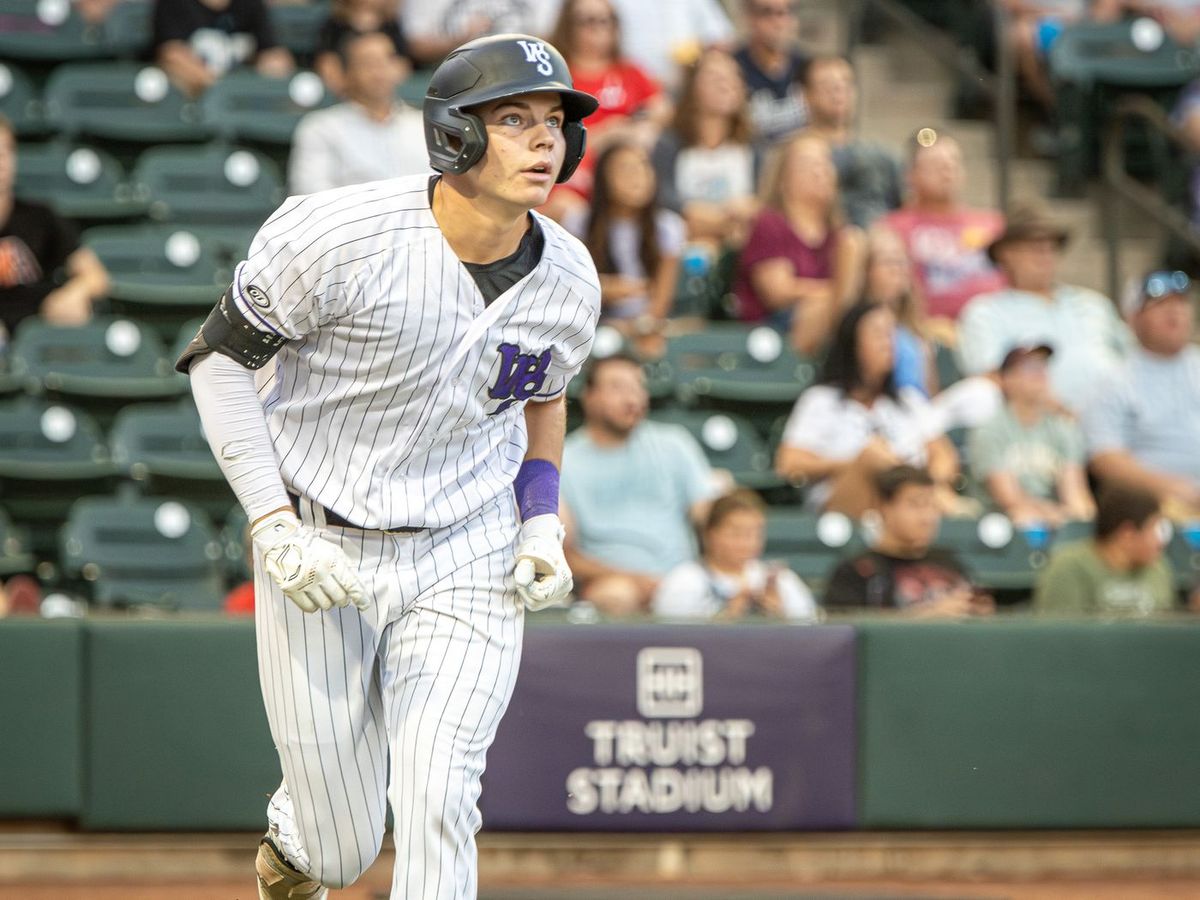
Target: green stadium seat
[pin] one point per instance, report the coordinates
(733, 363)
(20, 103)
(162, 275)
(810, 543)
(214, 183)
(110, 361)
(1090, 65)
(296, 26)
(730, 442)
(143, 551)
(9, 383)
(247, 106)
(122, 102)
(15, 553)
(79, 182)
(128, 29)
(47, 30)
(997, 556)
(50, 455)
(162, 448)
(1183, 552)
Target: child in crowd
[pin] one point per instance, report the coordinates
(731, 581)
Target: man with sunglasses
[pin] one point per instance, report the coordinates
(1143, 426)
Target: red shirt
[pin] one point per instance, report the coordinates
(622, 89)
(773, 238)
(949, 255)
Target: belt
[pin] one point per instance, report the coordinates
(332, 518)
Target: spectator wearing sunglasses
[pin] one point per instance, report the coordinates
(1143, 426)
(772, 66)
(1089, 338)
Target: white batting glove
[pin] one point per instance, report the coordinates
(542, 574)
(312, 572)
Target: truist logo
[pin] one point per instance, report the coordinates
(521, 375)
(537, 54)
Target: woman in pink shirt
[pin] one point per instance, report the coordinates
(802, 263)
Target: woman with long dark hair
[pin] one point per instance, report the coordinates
(705, 162)
(853, 423)
(634, 242)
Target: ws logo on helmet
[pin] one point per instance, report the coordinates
(537, 54)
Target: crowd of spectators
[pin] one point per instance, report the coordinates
(722, 144)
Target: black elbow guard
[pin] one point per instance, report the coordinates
(228, 331)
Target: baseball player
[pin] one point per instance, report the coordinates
(382, 385)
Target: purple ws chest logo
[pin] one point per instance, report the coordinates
(520, 377)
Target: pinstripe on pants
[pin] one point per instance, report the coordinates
(421, 678)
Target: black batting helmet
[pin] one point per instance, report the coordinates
(492, 68)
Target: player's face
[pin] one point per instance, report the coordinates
(737, 539)
(911, 518)
(525, 149)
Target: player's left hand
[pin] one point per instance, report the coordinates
(542, 574)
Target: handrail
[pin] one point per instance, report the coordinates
(1001, 86)
(1118, 185)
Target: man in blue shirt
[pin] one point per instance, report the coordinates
(631, 491)
(1143, 424)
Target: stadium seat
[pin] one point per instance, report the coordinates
(214, 183)
(128, 29)
(130, 551)
(162, 448)
(47, 30)
(161, 275)
(50, 455)
(730, 442)
(20, 103)
(251, 107)
(1183, 553)
(737, 364)
(997, 556)
(810, 543)
(1092, 63)
(296, 26)
(15, 553)
(105, 364)
(9, 383)
(122, 102)
(79, 182)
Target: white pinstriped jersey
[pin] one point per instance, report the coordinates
(398, 398)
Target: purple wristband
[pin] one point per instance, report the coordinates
(536, 487)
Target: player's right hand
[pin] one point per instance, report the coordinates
(312, 572)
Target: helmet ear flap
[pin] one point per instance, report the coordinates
(576, 138)
(456, 139)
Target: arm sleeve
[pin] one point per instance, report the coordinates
(236, 428)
